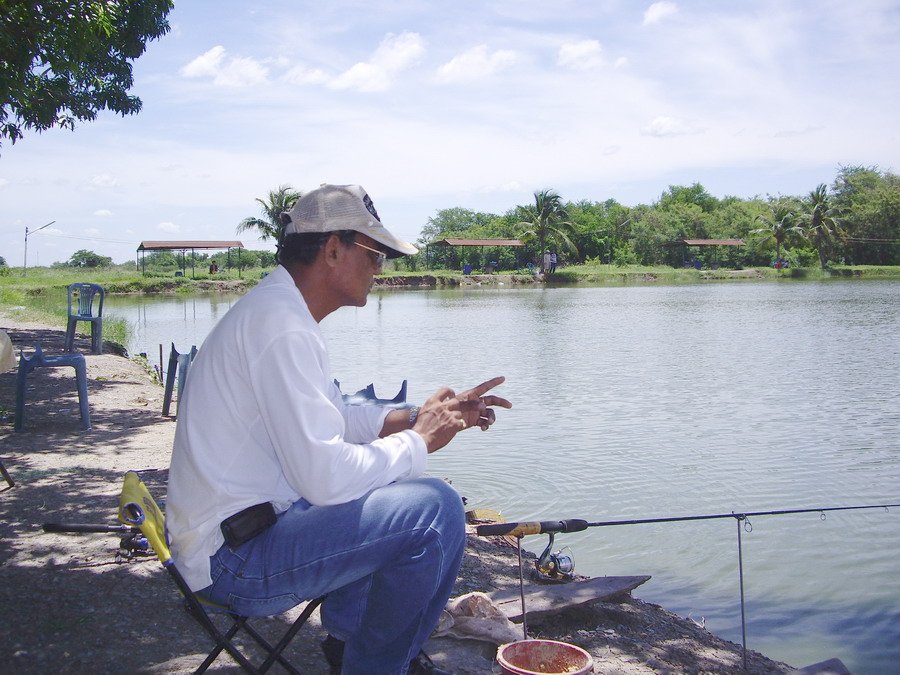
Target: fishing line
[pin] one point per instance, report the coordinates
(550, 527)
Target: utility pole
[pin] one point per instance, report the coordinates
(25, 264)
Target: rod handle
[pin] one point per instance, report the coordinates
(535, 527)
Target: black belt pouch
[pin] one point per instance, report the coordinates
(244, 525)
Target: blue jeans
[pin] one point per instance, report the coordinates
(388, 562)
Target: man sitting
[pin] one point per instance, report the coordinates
(279, 492)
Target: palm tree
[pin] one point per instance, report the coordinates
(823, 226)
(279, 201)
(547, 219)
(778, 224)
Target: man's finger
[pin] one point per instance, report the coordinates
(497, 401)
(480, 389)
(487, 419)
(476, 404)
(442, 394)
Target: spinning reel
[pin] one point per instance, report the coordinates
(558, 566)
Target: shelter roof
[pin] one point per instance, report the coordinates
(179, 245)
(477, 242)
(712, 242)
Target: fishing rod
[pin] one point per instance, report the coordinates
(521, 529)
(132, 542)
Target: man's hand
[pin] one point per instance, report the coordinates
(445, 413)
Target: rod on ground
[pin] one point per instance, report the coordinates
(81, 527)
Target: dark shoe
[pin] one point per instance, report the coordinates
(422, 665)
(334, 655)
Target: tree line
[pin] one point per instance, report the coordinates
(855, 220)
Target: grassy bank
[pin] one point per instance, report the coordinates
(599, 273)
(40, 293)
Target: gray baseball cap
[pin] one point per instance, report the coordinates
(330, 208)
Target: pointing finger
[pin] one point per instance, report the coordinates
(484, 387)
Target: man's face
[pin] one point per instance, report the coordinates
(362, 260)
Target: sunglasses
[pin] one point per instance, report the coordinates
(378, 258)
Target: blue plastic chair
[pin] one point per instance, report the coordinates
(179, 364)
(368, 396)
(39, 360)
(81, 308)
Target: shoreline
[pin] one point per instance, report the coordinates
(67, 475)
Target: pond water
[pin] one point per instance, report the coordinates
(644, 402)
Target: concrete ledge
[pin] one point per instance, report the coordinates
(552, 599)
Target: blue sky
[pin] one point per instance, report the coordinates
(476, 104)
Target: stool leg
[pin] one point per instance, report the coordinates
(21, 382)
(6, 475)
(81, 379)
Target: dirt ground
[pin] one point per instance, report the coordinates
(69, 605)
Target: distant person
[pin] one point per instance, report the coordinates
(546, 266)
(552, 261)
(213, 268)
(321, 497)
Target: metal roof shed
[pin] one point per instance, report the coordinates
(191, 246)
(703, 242)
(473, 242)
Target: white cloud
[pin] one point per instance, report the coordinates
(398, 52)
(395, 54)
(168, 227)
(362, 77)
(584, 55)
(511, 186)
(205, 65)
(103, 180)
(302, 75)
(103, 213)
(92, 231)
(659, 11)
(242, 72)
(476, 63)
(668, 126)
(226, 71)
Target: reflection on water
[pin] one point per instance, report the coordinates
(644, 402)
(159, 320)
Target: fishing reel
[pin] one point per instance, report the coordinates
(556, 567)
(133, 545)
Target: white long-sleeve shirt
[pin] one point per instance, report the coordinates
(262, 420)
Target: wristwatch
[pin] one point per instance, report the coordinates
(413, 415)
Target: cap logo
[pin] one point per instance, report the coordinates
(370, 207)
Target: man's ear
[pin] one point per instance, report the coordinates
(332, 250)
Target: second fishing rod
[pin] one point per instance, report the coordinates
(520, 529)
